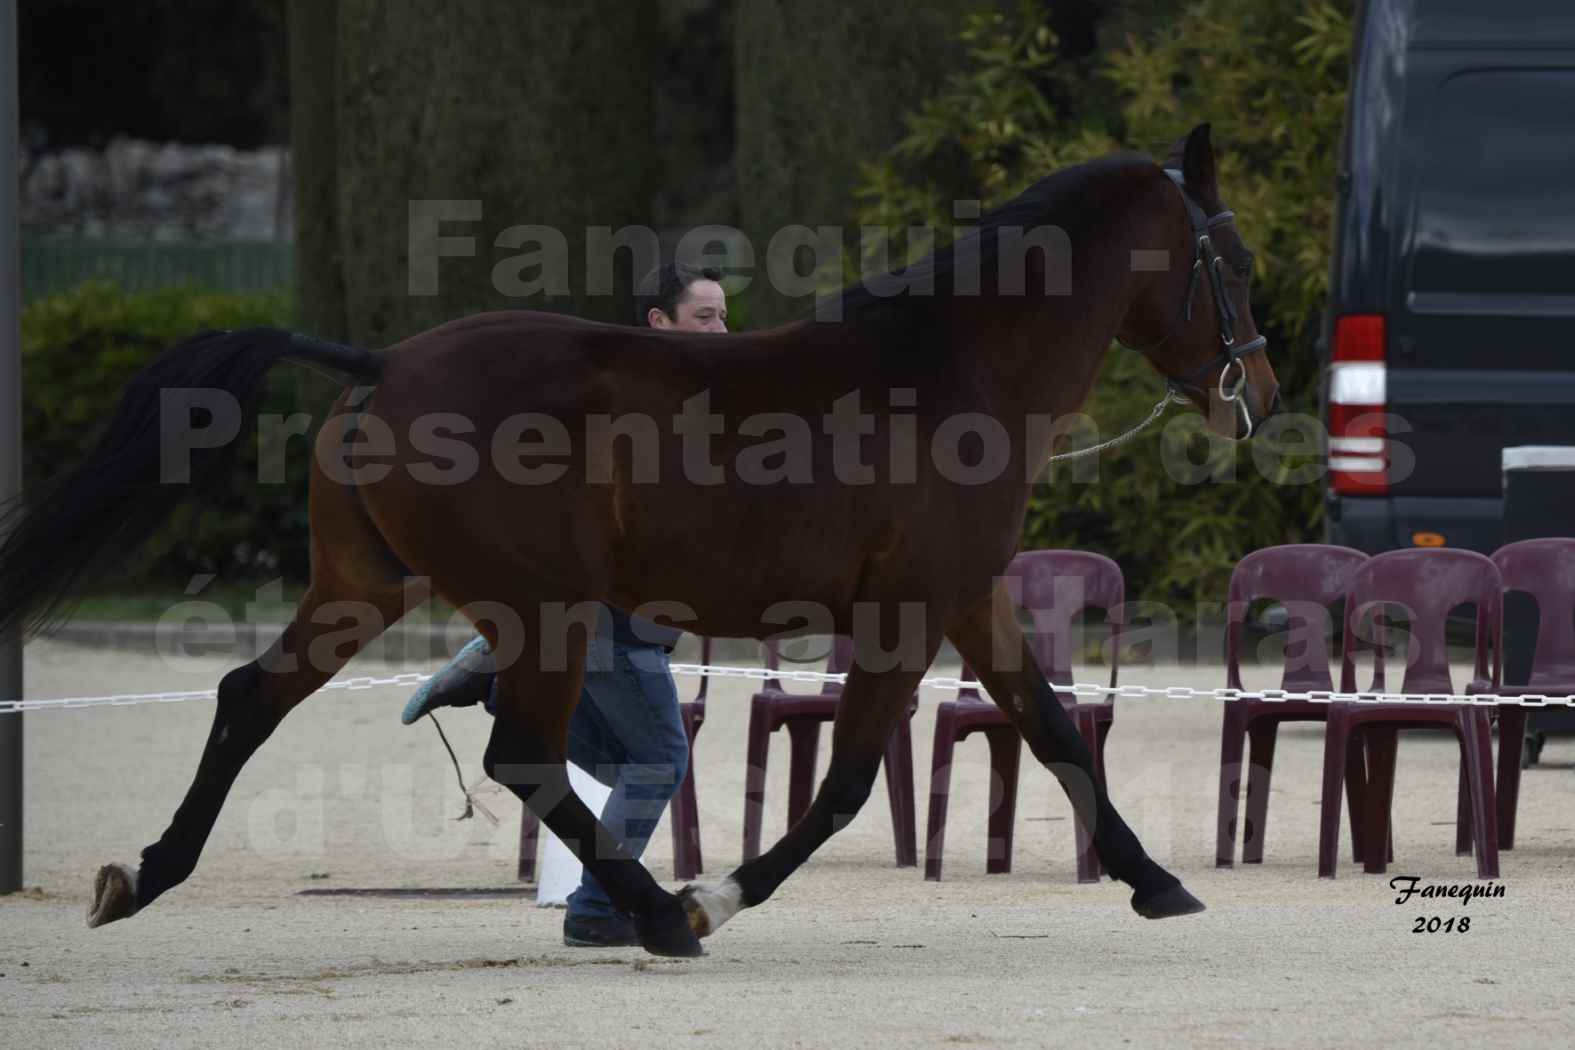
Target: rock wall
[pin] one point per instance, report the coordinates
(159, 191)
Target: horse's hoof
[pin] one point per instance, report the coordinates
(699, 921)
(114, 895)
(1168, 903)
(710, 906)
(667, 931)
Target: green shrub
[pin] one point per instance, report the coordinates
(79, 349)
(1270, 75)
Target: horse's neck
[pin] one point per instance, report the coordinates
(1022, 358)
(1041, 360)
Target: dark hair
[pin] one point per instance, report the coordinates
(665, 285)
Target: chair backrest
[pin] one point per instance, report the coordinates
(1306, 579)
(1057, 585)
(1545, 569)
(838, 661)
(1428, 583)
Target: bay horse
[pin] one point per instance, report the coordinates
(900, 556)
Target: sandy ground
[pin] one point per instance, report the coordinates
(852, 951)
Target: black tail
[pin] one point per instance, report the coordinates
(82, 523)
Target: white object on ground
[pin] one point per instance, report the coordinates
(560, 871)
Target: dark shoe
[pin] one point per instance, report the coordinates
(614, 931)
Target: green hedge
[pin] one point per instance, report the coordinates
(1270, 75)
(79, 349)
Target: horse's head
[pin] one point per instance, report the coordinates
(1194, 322)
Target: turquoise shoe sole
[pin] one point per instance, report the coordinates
(473, 661)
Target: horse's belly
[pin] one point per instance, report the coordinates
(749, 596)
(740, 582)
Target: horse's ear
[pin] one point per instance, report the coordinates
(1197, 161)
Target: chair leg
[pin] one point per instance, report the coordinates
(1356, 792)
(758, 751)
(1087, 860)
(686, 827)
(1476, 732)
(899, 791)
(693, 802)
(1336, 741)
(1511, 742)
(1102, 730)
(940, 789)
(804, 734)
(1356, 795)
(1260, 769)
(1006, 754)
(1233, 738)
(1463, 806)
(1382, 745)
(530, 832)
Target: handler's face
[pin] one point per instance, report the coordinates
(703, 308)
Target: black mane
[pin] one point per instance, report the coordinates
(1070, 199)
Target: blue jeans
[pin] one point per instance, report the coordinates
(626, 732)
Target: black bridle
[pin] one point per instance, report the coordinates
(1206, 260)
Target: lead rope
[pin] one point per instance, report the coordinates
(1171, 397)
(472, 803)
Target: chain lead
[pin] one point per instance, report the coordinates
(1134, 692)
(1171, 397)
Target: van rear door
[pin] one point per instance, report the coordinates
(1481, 321)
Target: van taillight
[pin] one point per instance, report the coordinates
(1358, 391)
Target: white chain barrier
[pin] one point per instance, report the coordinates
(1080, 689)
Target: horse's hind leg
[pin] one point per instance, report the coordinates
(527, 753)
(252, 701)
(358, 589)
(990, 639)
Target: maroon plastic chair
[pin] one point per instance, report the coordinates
(956, 720)
(687, 860)
(1428, 583)
(802, 715)
(1306, 579)
(1544, 569)
(1056, 586)
(684, 810)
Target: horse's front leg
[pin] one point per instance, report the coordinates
(872, 702)
(989, 638)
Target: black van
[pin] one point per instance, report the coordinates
(1450, 332)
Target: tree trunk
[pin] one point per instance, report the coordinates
(319, 270)
(496, 113)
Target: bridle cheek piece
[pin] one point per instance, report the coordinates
(1205, 260)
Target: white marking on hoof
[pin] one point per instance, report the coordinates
(710, 906)
(114, 895)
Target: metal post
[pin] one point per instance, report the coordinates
(10, 443)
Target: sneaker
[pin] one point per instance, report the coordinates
(613, 931)
(465, 680)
